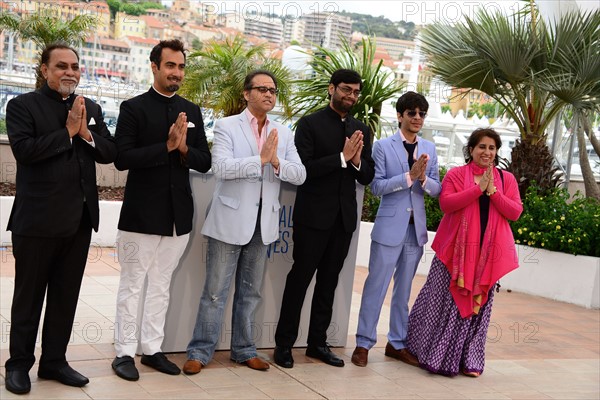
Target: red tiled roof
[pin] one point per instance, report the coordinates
(112, 42)
(138, 39)
(152, 22)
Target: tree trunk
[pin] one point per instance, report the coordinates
(39, 78)
(533, 162)
(591, 187)
(587, 127)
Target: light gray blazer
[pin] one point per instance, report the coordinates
(398, 200)
(240, 180)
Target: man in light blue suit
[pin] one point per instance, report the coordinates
(406, 168)
(251, 155)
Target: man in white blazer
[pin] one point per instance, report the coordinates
(406, 168)
(251, 155)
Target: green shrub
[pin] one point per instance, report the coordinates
(432, 207)
(556, 222)
(370, 205)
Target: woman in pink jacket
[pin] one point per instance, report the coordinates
(474, 248)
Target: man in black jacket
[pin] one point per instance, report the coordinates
(160, 136)
(56, 138)
(335, 148)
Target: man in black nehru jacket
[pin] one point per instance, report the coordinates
(56, 137)
(335, 148)
(160, 136)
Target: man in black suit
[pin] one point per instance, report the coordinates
(56, 138)
(335, 148)
(160, 136)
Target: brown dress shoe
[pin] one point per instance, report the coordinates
(403, 355)
(257, 363)
(192, 367)
(360, 357)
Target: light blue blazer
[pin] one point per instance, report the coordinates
(398, 199)
(241, 181)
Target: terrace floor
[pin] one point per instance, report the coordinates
(537, 349)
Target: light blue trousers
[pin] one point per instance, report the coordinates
(386, 261)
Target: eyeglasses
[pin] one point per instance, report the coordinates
(348, 90)
(413, 113)
(264, 89)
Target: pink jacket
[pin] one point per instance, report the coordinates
(476, 269)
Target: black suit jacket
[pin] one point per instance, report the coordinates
(158, 192)
(329, 189)
(54, 173)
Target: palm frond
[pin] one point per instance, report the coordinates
(215, 75)
(311, 93)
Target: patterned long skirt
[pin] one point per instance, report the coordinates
(443, 341)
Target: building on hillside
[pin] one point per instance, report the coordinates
(269, 28)
(180, 11)
(232, 20)
(160, 14)
(229, 33)
(106, 58)
(293, 30)
(326, 29)
(139, 59)
(155, 29)
(395, 47)
(205, 13)
(382, 55)
(25, 53)
(129, 25)
(100, 10)
(203, 33)
(174, 31)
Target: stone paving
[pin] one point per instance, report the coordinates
(537, 349)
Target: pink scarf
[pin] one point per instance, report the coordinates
(474, 269)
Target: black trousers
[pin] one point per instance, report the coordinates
(323, 251)
(51, 268)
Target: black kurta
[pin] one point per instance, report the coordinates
(158, 194)
(55, 209)
(54, 174)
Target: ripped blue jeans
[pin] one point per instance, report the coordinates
(223, 261)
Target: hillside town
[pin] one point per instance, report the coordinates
(118, 50)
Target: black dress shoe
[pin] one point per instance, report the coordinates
(65, 375)
(324, 354)
(283, 356)
(159, 362)
(125, 368)
(17, 382)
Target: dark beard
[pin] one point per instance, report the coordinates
(172, 88)
(339, 105)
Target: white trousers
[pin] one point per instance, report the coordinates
(144, 256)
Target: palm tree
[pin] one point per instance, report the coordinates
(589, 181)
(515, 60)
(311, 93)
(45, 28)
(215, 76)
(573, 75)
